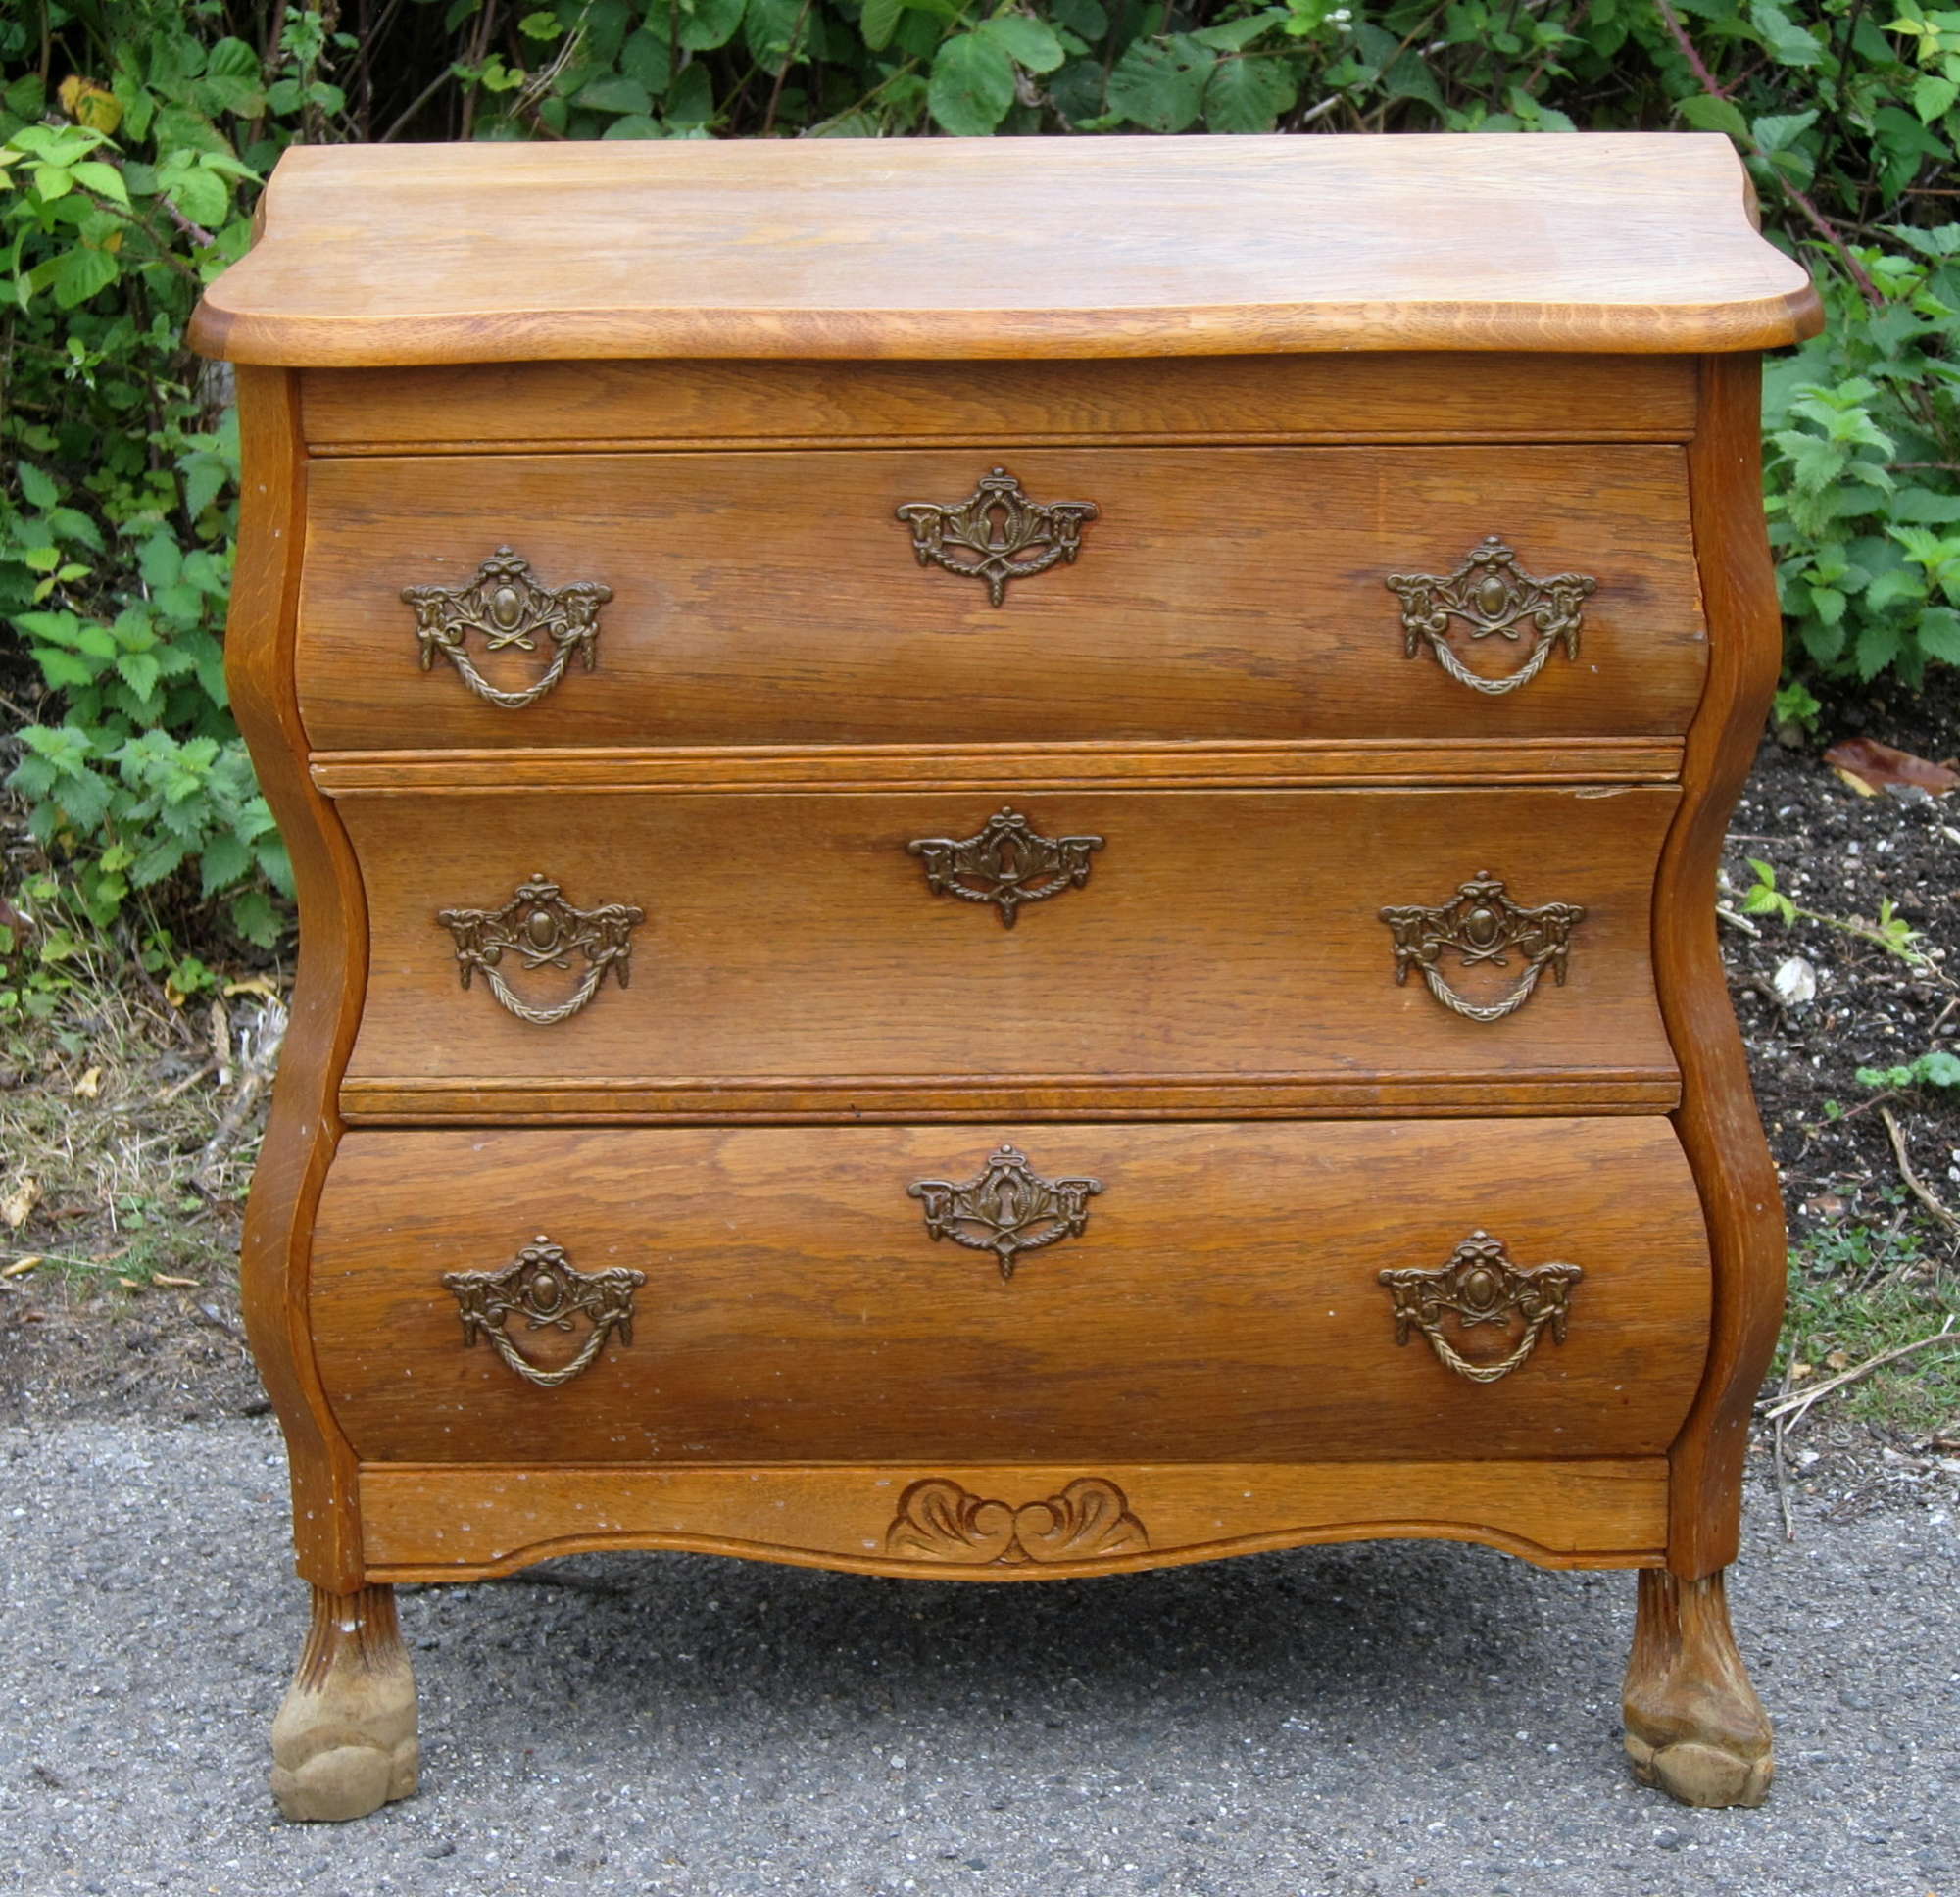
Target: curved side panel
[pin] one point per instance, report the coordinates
(305, 1126)
(1717, 1118)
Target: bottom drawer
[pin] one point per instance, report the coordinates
(1181, 1292)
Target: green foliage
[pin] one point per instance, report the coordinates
(121, 196)
(1934, 1068)
(1891, 932)
(134, 135)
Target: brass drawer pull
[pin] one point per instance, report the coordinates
(1009, 863)
(1482, 924)
(1007, 1209)
(543, 1287)
(540, 925)
(508, 608)
(998, 532)
(1491, 593)
(1482, 1286)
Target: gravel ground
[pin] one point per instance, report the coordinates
(1387, 1718)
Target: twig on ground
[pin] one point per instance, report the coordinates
(1736, 921)
(1778, 1407)
(1777, 1458)
(1914, 1184)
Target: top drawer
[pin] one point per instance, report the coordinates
(1223, 593)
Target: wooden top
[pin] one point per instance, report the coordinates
(1013, 247)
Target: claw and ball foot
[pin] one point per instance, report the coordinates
(1695, 1725)
(344, 1741)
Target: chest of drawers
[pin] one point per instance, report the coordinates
(1006, 861)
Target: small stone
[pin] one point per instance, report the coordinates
(1669, 1839)
(1854, 1702)
(441, 1848)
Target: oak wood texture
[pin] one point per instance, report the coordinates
(528, 406)
(1219, 935)
(304, 1125)
(1717, 1119)
(1224, 592)
(704, 375)
(1022, 769)
(458, 1522)
(344, 1742)
(1695, 1725)
(1008, 247)
(1221, 1304)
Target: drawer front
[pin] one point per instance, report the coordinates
(761, 597)
(1178, 1292)
(1154, 934)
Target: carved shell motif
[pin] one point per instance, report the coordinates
(939, 1521)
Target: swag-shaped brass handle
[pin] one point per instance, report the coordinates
(1480, 1286)
(508, 607)
(1492, 595)
(544, 1287)
(538, 925)
(1482, 924)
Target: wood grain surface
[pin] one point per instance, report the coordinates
(1246, 764)
(528, 406)
(1221, 1304)
(1717, 1119)
(1218, 935)
(1221, 592)
(429, 1523)
(1010, 247)
(304, 1126)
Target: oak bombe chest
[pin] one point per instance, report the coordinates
(1006, 860)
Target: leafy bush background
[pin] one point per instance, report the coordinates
(134, 135)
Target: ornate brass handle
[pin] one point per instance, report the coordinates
(1008, 863)
(997, 534)
(1482, 924)
(1007, 1209)
(540, 925)
(1491, 594)
(508, 608)
(1482, 1286)
(543, 1287)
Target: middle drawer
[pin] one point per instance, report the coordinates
(1097, 934)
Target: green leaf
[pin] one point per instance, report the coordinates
(1027, 42)
(141, 671)
(692, 101)
(37, 489)
(1231, 35)
(223, 859)
(80, 273)
(1939, 634)
(972, 87)
(879, 22)
(1707, 112)
(707, 24)
(105, 180)
(1247, 95)
(615, 92)
(1159, 84)
(62, 669)
(1875, 648)
(1775, 131)
(1788, 44)
(1933, 96)
(164, 854)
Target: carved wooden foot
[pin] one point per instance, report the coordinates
(1695, 1725)
(344, 1741)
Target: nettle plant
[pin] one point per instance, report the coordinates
(118, 201)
